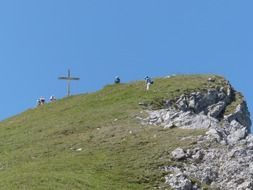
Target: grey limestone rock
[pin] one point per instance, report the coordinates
(247, 185)
(178, 154)
(223, 157)
(251, 168)
(204, 110)
(195, 110)
(241, 115)
(216, 109)
(179, 182)
(198, 156)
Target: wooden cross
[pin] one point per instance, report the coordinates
(68, 79)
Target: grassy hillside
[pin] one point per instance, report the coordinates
(93, 141)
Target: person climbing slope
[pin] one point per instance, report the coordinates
(148, 82)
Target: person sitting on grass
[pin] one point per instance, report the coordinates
(52, 98)
(117, 80)
(42, 100)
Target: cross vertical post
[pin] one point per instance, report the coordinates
(68, 79)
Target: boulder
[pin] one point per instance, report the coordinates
(198, 156)
(214, 133)
(251, 169)
(179, 182)
(216, 109)
(178, 154)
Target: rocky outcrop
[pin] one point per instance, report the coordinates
(205, 110)
(222, 167)
(221, 159)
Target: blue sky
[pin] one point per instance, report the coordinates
(97, 39)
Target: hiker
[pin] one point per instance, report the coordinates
(42, 100)
(38, 102)
(148, 82)
(117, 80)
(52, 98)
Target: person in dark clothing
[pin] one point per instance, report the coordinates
(117, 80)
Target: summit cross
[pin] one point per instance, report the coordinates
(68, 79)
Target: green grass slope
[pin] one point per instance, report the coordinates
(94, 141)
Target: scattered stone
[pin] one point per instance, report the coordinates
(211, 79)
(187, 138)
(198, 156)
(251, 168)
(179, 182)
(178, 154)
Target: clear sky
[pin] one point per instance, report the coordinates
(98, 39)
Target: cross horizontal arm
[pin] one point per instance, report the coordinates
(68, 78)
(74, 78)
(63, 78)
